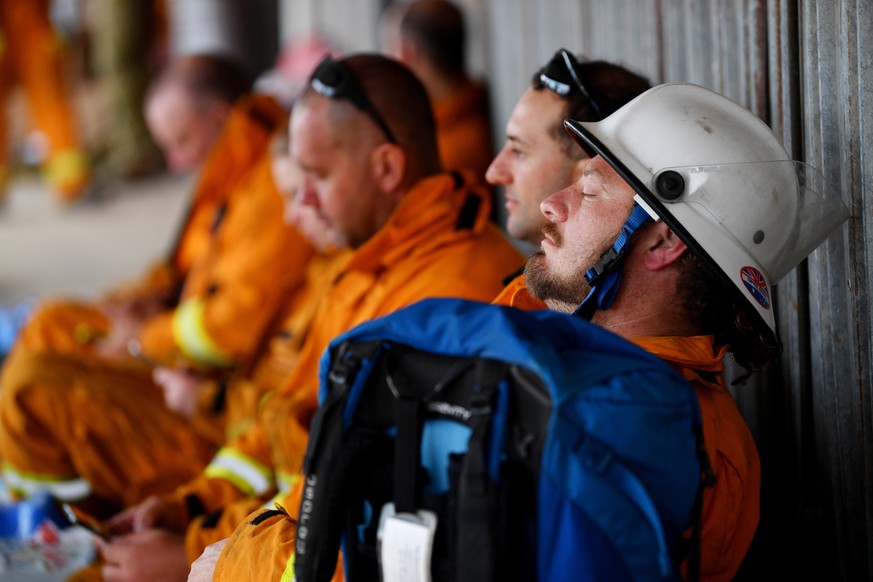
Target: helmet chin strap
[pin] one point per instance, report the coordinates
(604, 277)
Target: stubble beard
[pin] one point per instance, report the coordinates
(560, 293)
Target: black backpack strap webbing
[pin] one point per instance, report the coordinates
(407, 450)
(407, 442)
(476, 537)
(692, 573)
(343, 370)
(688, 549)
(320, 520)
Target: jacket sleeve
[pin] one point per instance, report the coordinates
(245, 137)
(262, 547)
(240, 469)
(231, 296)
(213, 527)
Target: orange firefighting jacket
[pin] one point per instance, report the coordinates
(464, 130)
(438, 242)
(731, 506)
(244, 139)
(515, 294)
(276, 359)
(231, 292)
(68, 326)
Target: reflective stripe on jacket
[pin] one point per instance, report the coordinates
(22, 484)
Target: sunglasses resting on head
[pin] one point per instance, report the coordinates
(560, 76)
(334, 81)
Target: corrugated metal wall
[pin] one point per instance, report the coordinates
(805, 68)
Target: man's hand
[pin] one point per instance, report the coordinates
(123, 327)
(204, 567)
(181, 388)
(144, 556)
(153, 512)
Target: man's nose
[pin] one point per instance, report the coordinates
(496, 173)
(554, 208)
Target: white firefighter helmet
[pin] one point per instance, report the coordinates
(721, 180)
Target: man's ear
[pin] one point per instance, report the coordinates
(662, 247)
(388, 164)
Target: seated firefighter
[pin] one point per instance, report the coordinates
(203, 116)
(540, 158)
(363, 135)
(683, 286)
(205, 310)
(640, 228)
(429, 37)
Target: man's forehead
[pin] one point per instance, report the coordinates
(540, 105)
(599, 170)
(535, 114)
(170, 99)
(317, 134)
(312, 116)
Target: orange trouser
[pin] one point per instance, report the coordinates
(67, 327)
(92, 432)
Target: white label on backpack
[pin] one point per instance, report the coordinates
(405, 544)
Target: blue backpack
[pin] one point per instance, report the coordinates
(461, 441)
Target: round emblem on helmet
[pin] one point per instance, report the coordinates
(756, 284)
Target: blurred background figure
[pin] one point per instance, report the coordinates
(31, 56)
(129, 46)
(429, 37)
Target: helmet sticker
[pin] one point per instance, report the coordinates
(757, 285)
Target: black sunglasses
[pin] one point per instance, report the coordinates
(560, 76)
(333, 80)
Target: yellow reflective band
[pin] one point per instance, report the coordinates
(85, 334)
(286, 481)
(66, 169)
(246, 474)
(234, 429)
(191, 336)
(27, 484)
(284, 484)
(288, 574)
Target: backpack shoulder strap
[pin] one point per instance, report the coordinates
(315, 556)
